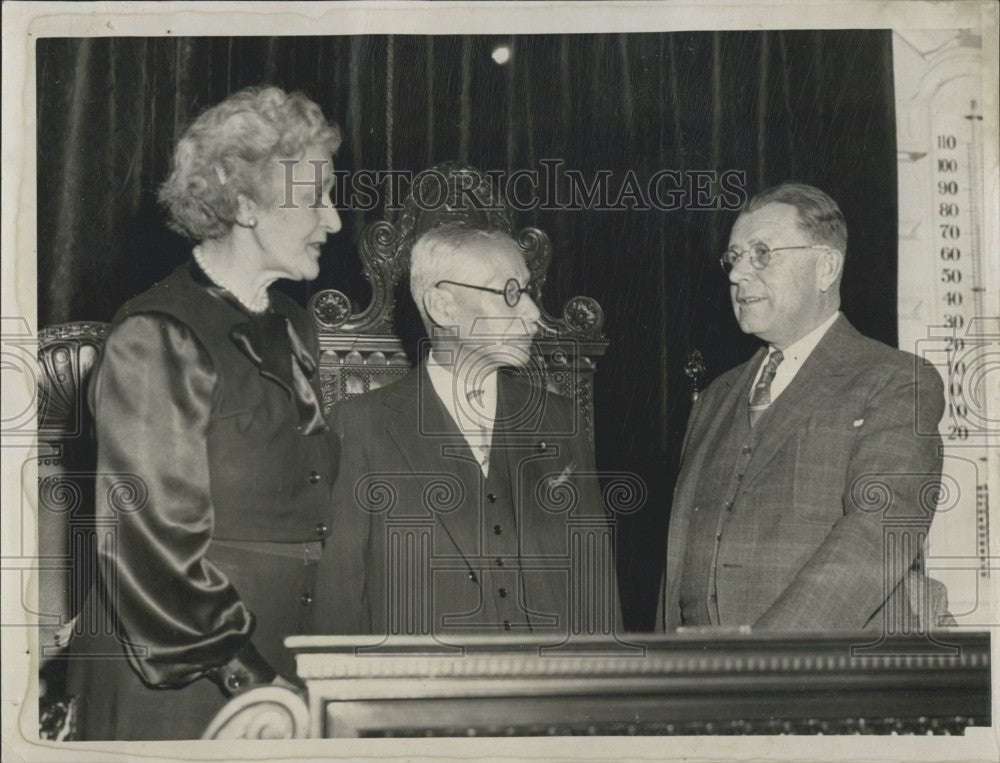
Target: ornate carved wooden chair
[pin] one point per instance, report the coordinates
(364, 350)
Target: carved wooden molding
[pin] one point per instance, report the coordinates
(718, 683)
(79, 330)
(326, 657)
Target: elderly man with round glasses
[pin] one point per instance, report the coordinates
(801, 465)
(452, 506)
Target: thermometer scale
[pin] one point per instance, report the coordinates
(947, 308)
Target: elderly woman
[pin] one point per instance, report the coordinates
(207, 407)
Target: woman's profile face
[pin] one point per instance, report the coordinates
(297, 216)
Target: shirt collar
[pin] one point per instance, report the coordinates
(797, 352)
(468, 415)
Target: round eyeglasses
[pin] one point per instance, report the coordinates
(511, 291)
(760, 255)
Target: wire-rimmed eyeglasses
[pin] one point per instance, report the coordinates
(511, 291)
(760, 255)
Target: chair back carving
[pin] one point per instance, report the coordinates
(368, 349)
(66, 463)
(66, 355)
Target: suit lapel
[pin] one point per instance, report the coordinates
(519, 410)
(431, 444)
(813, 384)
(523, 423)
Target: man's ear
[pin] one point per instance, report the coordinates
(439, 306)
(829, 266)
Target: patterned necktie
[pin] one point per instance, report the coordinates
(481, 451)
(760, 399)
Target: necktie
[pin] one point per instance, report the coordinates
(760, 398)
(482, 450)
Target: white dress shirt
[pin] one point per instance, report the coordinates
(794, 356)
(474, 416)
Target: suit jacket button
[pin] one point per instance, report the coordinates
(306, 600)
(499, 562)
(747, 450)
(497, 530)
(542, 445)
(321, 529)
(712, 597)
(472, 577)
(506, 625)
(502, 592)
(314, 477)
(491, 497)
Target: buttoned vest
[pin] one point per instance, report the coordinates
(714, 497)
(268, 481)
(500, 511)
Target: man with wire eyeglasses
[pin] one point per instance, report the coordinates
(480, 459)
(798, 465)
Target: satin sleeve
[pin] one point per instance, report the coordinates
(180, 617)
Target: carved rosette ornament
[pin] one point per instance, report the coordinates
(331, 308)
(583, 317)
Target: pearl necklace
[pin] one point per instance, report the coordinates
(257, 306)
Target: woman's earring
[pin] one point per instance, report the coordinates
(251, 222)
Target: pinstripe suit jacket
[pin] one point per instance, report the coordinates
(841, 486)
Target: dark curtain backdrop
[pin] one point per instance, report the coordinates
(810, 106)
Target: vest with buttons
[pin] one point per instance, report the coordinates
(714, 503)
(511, 600)
(268, 481)
(501, 578)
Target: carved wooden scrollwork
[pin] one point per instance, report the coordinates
(383, 266)
(269, 712)
(66, 354)
(451, 192)
(537, 251)
(446, 193)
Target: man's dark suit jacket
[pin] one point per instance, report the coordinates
(406, 469)
(848, 462)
